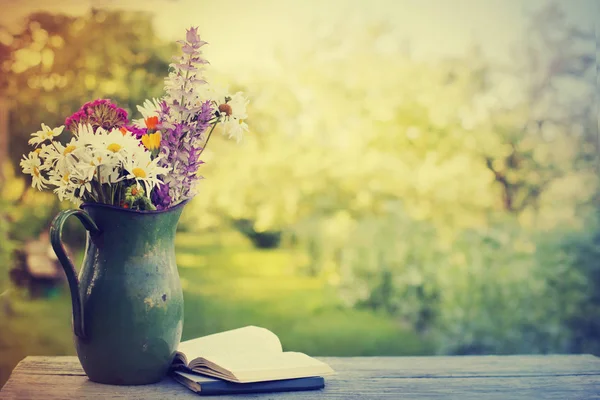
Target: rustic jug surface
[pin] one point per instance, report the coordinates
(127, 300)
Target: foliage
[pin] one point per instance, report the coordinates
(581, 299)
(427, 134)
(60, 61)
(500, 289)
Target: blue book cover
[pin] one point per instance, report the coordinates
(206, 386)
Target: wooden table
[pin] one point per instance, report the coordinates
(569, 377)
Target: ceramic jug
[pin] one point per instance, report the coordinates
(127, 301)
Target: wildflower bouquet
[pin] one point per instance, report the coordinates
(146, 164)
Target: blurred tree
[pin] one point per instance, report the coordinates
(555, 130)
(437, 192)
(58, 62)
(352, 129)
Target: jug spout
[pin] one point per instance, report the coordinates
(59, 249)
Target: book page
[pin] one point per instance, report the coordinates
(271, 366)
(234, 343)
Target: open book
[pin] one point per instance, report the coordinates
(249, 354)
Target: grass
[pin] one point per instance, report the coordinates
(225, 287)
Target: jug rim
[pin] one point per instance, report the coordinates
(128, 210)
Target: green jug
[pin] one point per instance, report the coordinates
(127, 301)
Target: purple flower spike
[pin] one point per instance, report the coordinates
(181, 146)
(192, 36)
(160, 196)
(184, 121)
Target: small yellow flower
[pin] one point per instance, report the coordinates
(151, 141)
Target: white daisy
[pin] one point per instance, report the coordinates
(46, 133)
(85, 133)
(55, 177)
(65, 189)
(80, 182)
(113, 146)
(59, 156)
(105, 172)
(48, 152)
(145, 170)
(66, 192)
(86, 161)
(32, 164)
(234, 128)
(232, 112)
(110, 175)
(43, 151)
(71, 186)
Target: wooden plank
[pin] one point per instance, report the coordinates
(489, 377)
(469, 366)
(49, 387)
(405, 367)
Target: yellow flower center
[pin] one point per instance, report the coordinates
(139, 173)
(66, 177)
(69, 149)
(37, 151)
(114, 147)
(36, 171)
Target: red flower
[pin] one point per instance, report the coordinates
(151, 122)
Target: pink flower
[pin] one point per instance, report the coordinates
(100, 113)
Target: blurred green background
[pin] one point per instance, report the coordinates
(421, 183)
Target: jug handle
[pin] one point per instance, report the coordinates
(70, 272)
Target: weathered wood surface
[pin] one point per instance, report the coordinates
(569, 377)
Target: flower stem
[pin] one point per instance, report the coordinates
(208, 138)
(100, 189)
(54, 144)
(117, 194)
